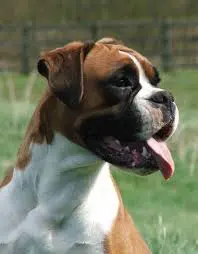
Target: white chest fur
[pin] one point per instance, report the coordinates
(64, 202)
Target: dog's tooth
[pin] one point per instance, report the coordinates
(117, 142)
(134, 151)
(144, 152)
(127, 149)
(133, 164)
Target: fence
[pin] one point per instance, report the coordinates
(169, 44)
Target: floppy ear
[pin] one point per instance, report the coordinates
(63, 69)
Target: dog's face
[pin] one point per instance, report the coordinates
(121, 113)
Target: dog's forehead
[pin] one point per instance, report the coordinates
(104, 59)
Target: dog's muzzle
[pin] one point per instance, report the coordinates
(132, 136)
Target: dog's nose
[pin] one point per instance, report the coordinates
(162, 97)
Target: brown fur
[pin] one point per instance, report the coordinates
(146, 64)
(124, 237)
(39, 129)
(7, 177)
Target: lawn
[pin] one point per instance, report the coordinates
(166, 213)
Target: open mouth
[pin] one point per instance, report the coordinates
(152, 155)
(142, 157)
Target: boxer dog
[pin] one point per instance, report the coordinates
(103, 105)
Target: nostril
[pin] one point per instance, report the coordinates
(172, 97)
(162, 97)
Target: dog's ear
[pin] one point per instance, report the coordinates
(112, 41)
(63, 68)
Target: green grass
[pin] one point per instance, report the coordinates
(166, 213)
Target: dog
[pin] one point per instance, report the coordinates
(102, 106)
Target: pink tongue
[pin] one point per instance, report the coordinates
(163, 157)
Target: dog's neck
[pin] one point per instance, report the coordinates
(64, 173)
(64, 187)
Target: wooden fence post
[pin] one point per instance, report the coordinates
(25, 44)
(94, 31)
(166, 46)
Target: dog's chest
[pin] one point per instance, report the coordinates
(90, 223)
(73, 218)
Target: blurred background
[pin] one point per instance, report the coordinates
(166, 32)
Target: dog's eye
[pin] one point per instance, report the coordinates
(123, 82)
(155, 81)
(126, 77)
(156, 78)
(120, 86)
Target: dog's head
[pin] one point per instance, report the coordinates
(121, 114)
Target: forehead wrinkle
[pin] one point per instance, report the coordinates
(101, 62)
